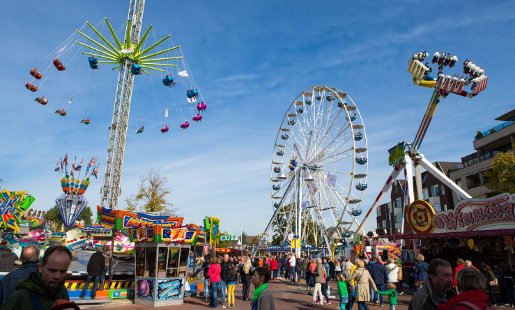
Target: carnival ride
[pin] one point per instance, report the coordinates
(12, 206)
(405, 156)
(319, 168)
(72, 202)
(59, 80)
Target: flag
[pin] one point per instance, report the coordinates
(79, 167)
(92, 161)
(166, 112)
(56, 166)
(331, 179)
(65, 160)
(95, 172)
(183, 73)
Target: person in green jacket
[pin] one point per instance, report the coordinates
(391, 292)
(344, 293)
(46, 286)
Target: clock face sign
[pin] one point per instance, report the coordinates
(420, 215)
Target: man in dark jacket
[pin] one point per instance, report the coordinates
(225, 274)
(43, 288)
(95, 269)
(436, 289)
(205, 268)
(30, 260)
(380, 276)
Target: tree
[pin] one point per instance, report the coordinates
(152, 193)
(131, 204)
(501, 178)
(311, 226)
(53, 216)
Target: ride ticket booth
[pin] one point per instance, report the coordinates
(161, 265)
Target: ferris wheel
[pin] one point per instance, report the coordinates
(319, 163)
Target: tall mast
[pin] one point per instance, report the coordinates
(111, 190)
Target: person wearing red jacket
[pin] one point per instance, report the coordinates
(460, 264)
(274, 267)
(214, 279)
(471, 291)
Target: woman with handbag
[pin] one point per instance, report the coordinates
(363, 283)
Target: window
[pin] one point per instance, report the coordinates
(444, 207)
(398, 203)
(437, 207)
(473, 180)
(426, 194)
(435, 190)
(458, 182)
(443, 189)
(398, 219)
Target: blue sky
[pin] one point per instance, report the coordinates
(250, 60)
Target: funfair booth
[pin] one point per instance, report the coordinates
(162, 260)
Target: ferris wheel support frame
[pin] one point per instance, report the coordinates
(443, 86)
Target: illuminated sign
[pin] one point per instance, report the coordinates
(396, 154)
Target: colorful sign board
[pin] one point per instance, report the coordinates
(169, 289)
(12, 205)
(478, 214)
(119, 219)
(212, 226)
(495, 213)
(228, 237)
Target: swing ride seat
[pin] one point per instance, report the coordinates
(197, 118)
(168, 81)
(136, 69)
(202, 106)
(192, 93)
(165, 129)
(93, 62)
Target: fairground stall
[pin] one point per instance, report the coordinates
(480, 230)
(162, 260)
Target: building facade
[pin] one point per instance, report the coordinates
(486, 145)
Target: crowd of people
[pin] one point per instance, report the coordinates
(436, 285)
(433, 286)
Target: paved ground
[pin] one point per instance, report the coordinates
(286, 297)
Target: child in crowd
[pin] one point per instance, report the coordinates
(344, 294)
(391, 292)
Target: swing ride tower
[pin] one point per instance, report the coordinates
(111, 189)
(131, 59)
